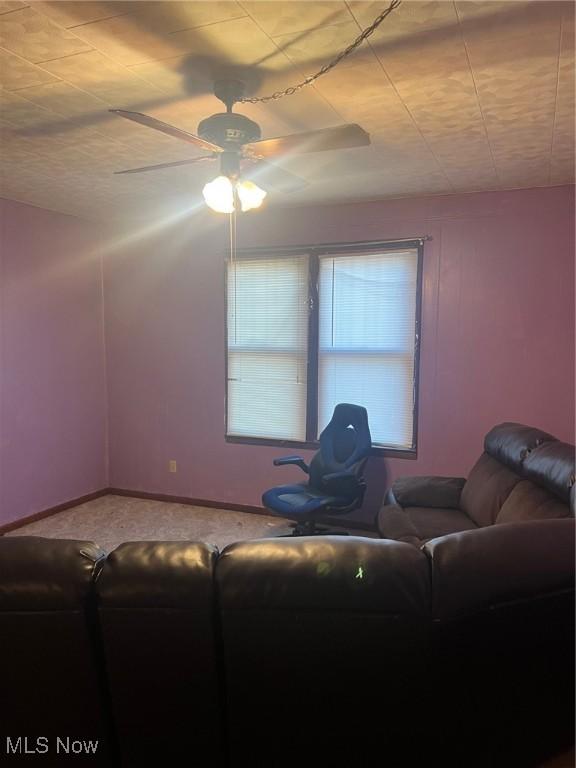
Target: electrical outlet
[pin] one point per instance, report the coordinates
(172, 467)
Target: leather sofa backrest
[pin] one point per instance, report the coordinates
(323, 635)
(529, 501)
(488, 486)
(157, 612)
(552, 466)
(51, 680)
(545, 493)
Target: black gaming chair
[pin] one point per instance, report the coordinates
(336, 485)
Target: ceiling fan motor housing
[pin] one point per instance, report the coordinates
(229, 130)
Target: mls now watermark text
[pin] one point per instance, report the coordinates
(42, 745)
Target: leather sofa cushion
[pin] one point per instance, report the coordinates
(394, 523)
(415, 525)
(487, 488)
(433, 522)
(552, 465)
(528, 501)
(510, 443)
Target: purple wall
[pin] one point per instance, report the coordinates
(497, 340)
(52, 385)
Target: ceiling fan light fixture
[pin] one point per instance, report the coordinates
(219, 194)
(250, 194)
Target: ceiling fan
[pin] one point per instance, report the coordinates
(234, 139)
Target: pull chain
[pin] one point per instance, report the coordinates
(232, 227)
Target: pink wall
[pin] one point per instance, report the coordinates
(52, 387)
(497, 339)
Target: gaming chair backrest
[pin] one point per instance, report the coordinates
(345, 444)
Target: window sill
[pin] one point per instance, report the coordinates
(377, 450)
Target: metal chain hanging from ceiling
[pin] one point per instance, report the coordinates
(364, 35)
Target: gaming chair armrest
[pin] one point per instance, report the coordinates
(344, 483)
(297, 460)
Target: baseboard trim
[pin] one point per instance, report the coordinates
(252, 509)
(188, 500)
(52, 511)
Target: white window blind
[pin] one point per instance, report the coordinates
(367, 340)
(267, 347)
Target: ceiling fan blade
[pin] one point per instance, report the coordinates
(271, 175)
(170, 130)
(341, 137)
(160, 166)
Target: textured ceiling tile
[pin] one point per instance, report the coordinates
(22, 113)
(366, 81)
(285, 17)
(493, 21)
(31, 35)
(304, 111)
(174, 17)
(235, 42)
(71, 14)
(562, 157)
(369, 187)
(514, 55)
(562, 169)
(6, 6)
(110, 82)
(424, 56)
(173, 77)
(129, 40)
(63, 98)
(409, 20)
(317, 47)
(16, 72)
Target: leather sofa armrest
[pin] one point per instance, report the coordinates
(427, 491)
(158, 575)
(393, 523)
(331, 573)
(39, 574)
(477, 570)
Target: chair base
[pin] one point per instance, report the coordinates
(310, 528)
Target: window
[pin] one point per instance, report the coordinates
(310, 328)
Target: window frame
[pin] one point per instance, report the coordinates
(314, 253)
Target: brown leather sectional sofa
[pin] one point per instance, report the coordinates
(345, 652)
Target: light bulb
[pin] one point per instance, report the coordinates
(219, 195)
(251, 196)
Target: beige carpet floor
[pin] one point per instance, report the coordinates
(111, 520)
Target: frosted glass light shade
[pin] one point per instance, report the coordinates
(250, 194)
(219, 195)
